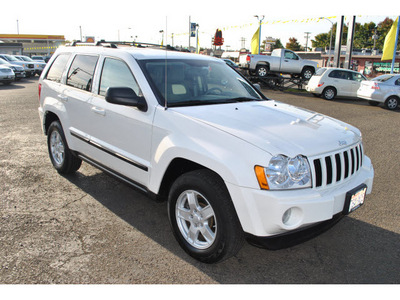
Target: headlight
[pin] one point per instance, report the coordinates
(284, 173)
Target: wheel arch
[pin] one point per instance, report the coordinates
(177, 167)
(49, 118)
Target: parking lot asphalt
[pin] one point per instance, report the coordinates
(91, 228)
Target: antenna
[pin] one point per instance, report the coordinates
(166, 67)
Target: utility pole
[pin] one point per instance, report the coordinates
(307, 36)
(17, 27)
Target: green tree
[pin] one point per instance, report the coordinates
(278, 44)
(293, 45)
(322, 40)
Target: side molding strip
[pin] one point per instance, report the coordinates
(109, 151)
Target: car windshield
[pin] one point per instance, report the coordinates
(11, 58)
(197, 82)
(26, 58)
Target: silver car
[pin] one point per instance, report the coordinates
(382, 89)
(38, 65)
(18, 70)
(6, 74)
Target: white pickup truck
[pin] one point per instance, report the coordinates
(280, 61)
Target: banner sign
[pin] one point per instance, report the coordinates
(192, 29)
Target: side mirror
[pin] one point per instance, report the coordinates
(125, 96)
(257, 86)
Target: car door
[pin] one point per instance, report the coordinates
(121, 134)
(76, 96)
(341, 80)
(290, 62)
(357, 78)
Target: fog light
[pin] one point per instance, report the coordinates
(286, 216)
(292, 217)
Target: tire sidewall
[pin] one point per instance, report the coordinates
(389, 100)
(192, 182)
(264, 73)
(327, 89)
(63, 167)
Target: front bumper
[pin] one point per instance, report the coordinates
(262, 213)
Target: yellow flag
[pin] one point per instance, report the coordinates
(388, 47)
(255, 41)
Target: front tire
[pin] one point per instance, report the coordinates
(62, 158)
(203, 218)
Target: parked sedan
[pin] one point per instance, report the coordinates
(335, 82)
(382, 89)
(6, 75)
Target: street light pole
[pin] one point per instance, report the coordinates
(259, 32)
(330, 43)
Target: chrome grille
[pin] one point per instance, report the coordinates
(337, 167)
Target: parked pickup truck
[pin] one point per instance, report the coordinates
(280, 61)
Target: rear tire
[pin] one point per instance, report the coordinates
(307, 73)
(329, 93)
(62, 158)
(392, 103)
(262, 71)
(203, 218)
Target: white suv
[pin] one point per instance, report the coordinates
(188, 128)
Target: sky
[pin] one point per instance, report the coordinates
(143, 20)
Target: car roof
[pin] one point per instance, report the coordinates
(137, 53)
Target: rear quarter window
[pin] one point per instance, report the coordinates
(57, 68)
(320, 72)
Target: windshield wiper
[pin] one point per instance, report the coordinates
(210, 102)
(243, 99)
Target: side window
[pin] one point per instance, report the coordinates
(57, 68)
(117, 73)
(291, 55)
(397, 82)
(80, 75)
(334, 74)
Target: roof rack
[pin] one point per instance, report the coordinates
(114, 44)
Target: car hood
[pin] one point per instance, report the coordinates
(276, 127)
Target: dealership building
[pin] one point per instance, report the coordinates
(30, 44)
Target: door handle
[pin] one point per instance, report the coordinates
(98, 110)
(63, 97)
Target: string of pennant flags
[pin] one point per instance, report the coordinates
(268, 22)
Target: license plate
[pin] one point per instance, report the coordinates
(355, 198)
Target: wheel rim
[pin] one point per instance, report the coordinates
(57, 147)
(262, 72)
(329, 94)
(392, 103)
(307, 74)
(196, 219)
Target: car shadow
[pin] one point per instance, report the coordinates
(351, 252)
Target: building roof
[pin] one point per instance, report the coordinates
(31, 37)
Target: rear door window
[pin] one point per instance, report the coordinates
(80, 74)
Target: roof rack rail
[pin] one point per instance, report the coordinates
(115, 44)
